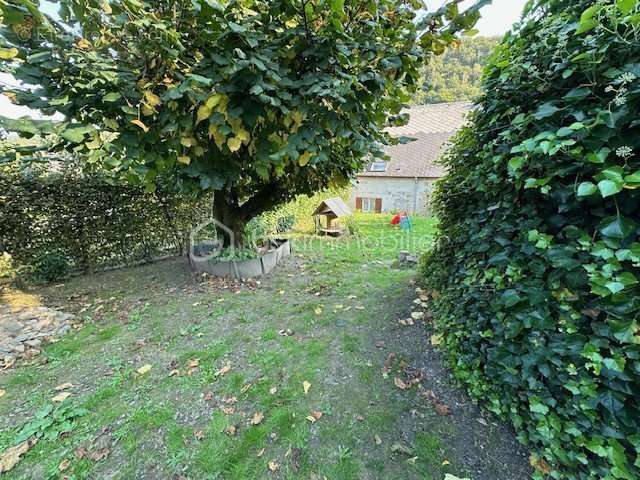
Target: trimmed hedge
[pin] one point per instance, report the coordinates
(535, 272)
(48, 214)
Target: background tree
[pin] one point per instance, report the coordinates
(255, 100)
(455, 75)
(537, 262)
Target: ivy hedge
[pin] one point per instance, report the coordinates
(80, 221)
(535, 272)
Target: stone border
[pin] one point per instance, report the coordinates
(254, 267)
(24, 330)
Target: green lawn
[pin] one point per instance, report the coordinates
(225, 394)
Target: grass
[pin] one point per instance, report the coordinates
(217, 360)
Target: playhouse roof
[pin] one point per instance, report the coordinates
(335, 206)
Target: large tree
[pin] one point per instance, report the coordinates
(255, 100)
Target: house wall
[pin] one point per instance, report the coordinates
(397, 194)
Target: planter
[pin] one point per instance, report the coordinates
(254, 267)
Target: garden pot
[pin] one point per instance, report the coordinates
(254, 267)
(269, 260)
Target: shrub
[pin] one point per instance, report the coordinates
(535, 270)
(297, 213)
(50, 267)
(86, 219)
(285, 223)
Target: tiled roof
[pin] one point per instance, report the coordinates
(432, 126)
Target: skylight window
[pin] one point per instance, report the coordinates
(378, 167)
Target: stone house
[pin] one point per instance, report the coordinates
(405, 180)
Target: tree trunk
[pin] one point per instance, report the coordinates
(227, 212)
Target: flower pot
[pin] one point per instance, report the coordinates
(254, 267)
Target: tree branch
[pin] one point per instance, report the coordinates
(270, 196)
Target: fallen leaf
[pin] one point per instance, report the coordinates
(388, 362)
(359, 307)
(61, 397)
(2, 393)
(80, 452)
(318, 311)
(208, 396)
(144, 369)
(442, 409)
(228, 410)
(98, 455)
(400, 384)
(64, 386)
(274, 466)
(11, 456)
(360, 418)
(380, 344)
(64, 465)
(306, 386)
(272, 391)
(245, 388)
(257, 418)
(540, 464)
(175, 372)
(315, 416)
(417, 315)
(224, 370)
(399, 448)
(448, 476)
(445, 463)
(377, 439)
(199, 434)
(436, 340)
(194, 363)
(230, 400)
(230, 430)
(261, 452)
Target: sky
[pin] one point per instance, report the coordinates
(497, 18)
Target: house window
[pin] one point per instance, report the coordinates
(378, 167)
(370, 205)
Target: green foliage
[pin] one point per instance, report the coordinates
(50, 422)
(455, 75)
(352, 225)
(54, 220)
(300, 210)
(259, 100)
(51, 266)
(7, 269)
(535, 271)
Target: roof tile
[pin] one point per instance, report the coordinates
(431, 126)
